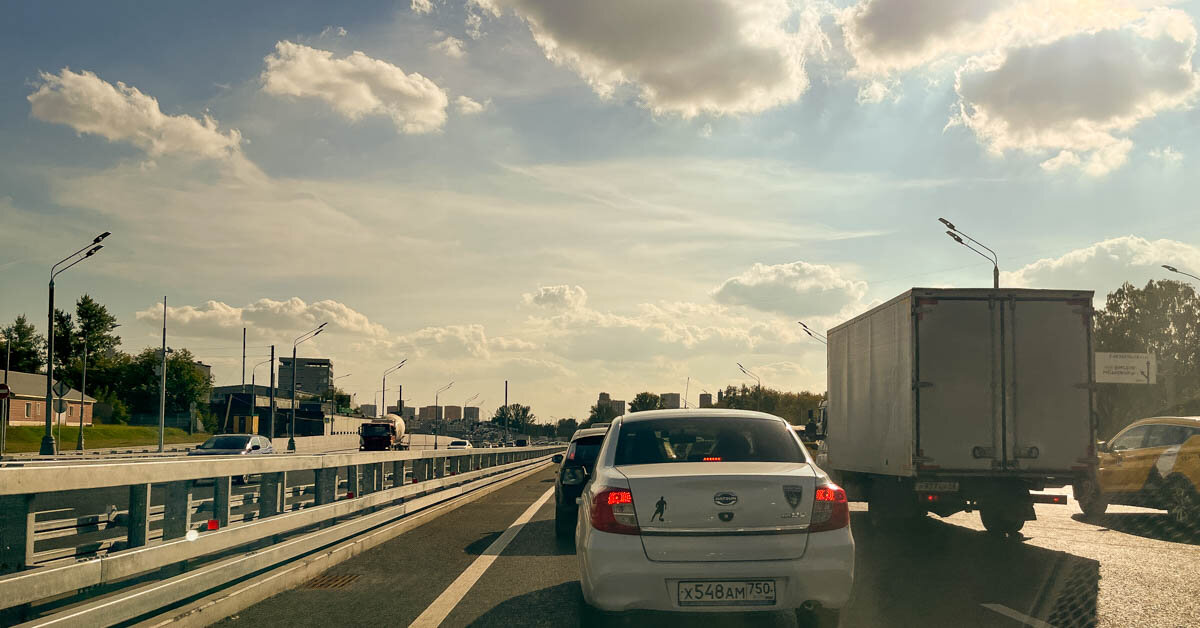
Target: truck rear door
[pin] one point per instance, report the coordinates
(1048, 364)
(958, 387)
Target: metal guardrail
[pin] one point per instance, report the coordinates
(344, 485)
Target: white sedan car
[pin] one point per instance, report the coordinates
(713, 510)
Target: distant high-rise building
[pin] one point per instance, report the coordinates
(431, 413)
(452, 413)
(669, 401)
(618, 406)
(706, 400)
(408, 412)
(313, 375)
(366, 409)
(471, 414)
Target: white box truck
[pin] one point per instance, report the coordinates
(945, 400)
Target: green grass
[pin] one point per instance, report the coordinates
(28, 438)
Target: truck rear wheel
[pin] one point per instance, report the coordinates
(1001, 521)
(1091, 501)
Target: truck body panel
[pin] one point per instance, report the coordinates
(963, 382)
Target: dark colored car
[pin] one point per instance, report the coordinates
(234, 445)
(573, 474)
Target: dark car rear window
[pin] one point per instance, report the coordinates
(225, 442)
(583, 451)
(700, 439)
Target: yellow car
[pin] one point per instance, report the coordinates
(1154, 463)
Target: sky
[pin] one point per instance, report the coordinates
(580, 197)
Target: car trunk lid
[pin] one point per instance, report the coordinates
(722, 511)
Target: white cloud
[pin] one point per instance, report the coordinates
(1075, 95)
(706, 131)
(1168, 154)
(1103, 266)
(474, 24)
(468, 107)
(356, 86)
(264, 319)
(877, 91)
(684, 56)
(451, 47)
(795, 289)
(561, 297)
(333, 31)
(422, 7)
(122, 113)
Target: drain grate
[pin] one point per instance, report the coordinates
(330, 582)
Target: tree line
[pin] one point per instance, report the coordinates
(127, 384)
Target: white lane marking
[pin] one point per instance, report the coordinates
(441, 607)
(1021, 617)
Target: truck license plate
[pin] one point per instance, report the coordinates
(937, 487)
(727, 593)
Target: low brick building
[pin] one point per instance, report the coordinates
(27, 401)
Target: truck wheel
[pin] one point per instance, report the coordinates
(1091, 500)
(1001, 521)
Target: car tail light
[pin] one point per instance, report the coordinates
(573, 475)
(831, 510)
(612, 511)
(711, 459)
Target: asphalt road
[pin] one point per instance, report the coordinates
(1129, 568)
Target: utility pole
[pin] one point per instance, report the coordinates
(243, 359)
(272, 436)
(506, 412)
(7, 400)
(162, 383)
(82, 403)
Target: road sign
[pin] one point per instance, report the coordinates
(3, 391)
(60, 405)
(1125, 368)
(61, 388)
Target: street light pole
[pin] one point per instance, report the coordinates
(382, 410)
(333, 393)
(82, 392)
(254, 386)
(954, 234)
(162, 386)
(309, 335)
(7, 409)
(437, 412)
(271, 429)
(49, 447)
(758, 394)
(1180, 272)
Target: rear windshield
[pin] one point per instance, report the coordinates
(225, 442)
(458, 442)
(706, 440)
(584, 450)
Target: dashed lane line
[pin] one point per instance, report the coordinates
(445, 603)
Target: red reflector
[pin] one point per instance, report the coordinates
(350, 495)
(711, 459)
(213, 524)
(931, 498)
(620, 497)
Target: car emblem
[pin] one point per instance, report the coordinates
(725, 498)
(725, 516)
(793, 495)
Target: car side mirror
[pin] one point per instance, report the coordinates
(256, 448)
(556, 458)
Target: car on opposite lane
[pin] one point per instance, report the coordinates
(713, 510)
(459, 444)
(576, 468)
(234, 445)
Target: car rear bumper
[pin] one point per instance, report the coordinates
(617, 576)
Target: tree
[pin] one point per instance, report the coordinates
(185, 383)
(517, 417)
(599, 413)
(28, 347)
(1164, 319)
(645, 401)
(95, 325)
(64, 341)
(566, 427)
(791, 406)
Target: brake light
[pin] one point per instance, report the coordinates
(831, 510)
(612, 511)
(711, 459)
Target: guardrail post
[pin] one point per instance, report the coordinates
(177, 510)
(138, 524)
(398, 473)
(325, 486)
(353, 481)
(421, 470)
(372, 477)
(222, 491)
(270, 494)
(16, 532)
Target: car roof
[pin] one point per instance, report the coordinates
(1190, 421)
(588, 431)
(705, 413)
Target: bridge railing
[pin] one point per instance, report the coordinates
(169, 515)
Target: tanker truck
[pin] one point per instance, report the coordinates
(382, 434)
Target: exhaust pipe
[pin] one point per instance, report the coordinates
(810, 605)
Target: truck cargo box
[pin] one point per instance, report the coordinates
(969, 381)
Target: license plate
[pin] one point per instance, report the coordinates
(937, 487)
(727, 593)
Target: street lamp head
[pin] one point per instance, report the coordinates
(1170, 268)
(947, 223)
(93, 251)
(955, 237)
(100, 237)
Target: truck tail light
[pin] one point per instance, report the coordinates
(612, 511)
(831, 509)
